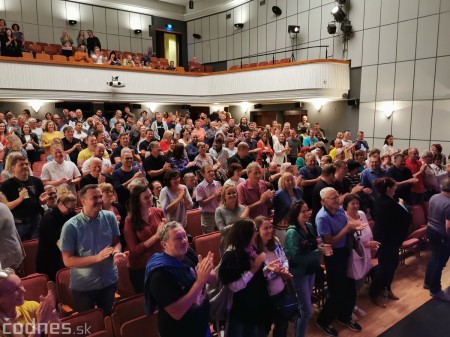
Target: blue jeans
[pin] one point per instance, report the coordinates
(28, 229)
(440, 253)
(87, 300)
(303, 286)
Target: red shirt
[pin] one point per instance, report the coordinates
(415, 167)
(139, 254)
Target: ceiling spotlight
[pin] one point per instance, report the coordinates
(293, 29)
(341, 2)
(137, 31)
(239, 25)
(191, 4)
(346, 27)
(338, 14)
(276, 10)
(196, 36)
(331, 28)
(72, 22)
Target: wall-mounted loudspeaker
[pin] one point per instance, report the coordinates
(258, 106)
(353, 101)
(186, 107)
(298, 105)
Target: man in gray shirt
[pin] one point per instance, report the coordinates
(438, 232)
(12, 252)
(295, 145)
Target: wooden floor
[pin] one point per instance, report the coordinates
(408, 285)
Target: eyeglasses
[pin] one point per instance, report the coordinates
(4, 273)
(333, 198)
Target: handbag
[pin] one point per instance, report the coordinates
(220, 300)
(286, 306)
(359, 262)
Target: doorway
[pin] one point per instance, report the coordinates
(294, 117)
(262, 118)
(168, 46)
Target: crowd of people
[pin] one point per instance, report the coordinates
(282, 197)
(13, 43)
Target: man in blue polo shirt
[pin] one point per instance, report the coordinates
(311, 140)
(333, 227)
(90, 246)
(373, 172)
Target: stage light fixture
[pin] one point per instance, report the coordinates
(346, 27)
(293, 29)
(331, 28)
(196, 36)
(338, 14)
(341, 2)
(239, 25)
(276, 10)
(72, 22)
(191, 4)
(137, 31)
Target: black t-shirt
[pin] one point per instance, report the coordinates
(68, 145)
(117, 150)
(119, 177)
(152, 164)
(316, 199)
(165, 290)
(343, 186)
(402, 191)
(144, 145)
(88, 180)
(30, 206)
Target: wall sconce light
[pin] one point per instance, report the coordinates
(196, 36)
(388, 113)
(72, 22)
(137, 31)
(338, 14)
(169, 26)
(245, 106)
(276, 10)
(36, 105)
(239, 25)
(152, 106)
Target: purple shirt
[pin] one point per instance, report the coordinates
(248, 195)
(203, 191)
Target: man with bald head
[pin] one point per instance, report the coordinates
(95, 175)
(98, 153)
(18, 314)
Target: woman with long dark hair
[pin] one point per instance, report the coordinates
(392, 221)
(10, 45)
(142, 227)
(303, 253)
(276, 270)
(30, 143)
(175, 198)
(241, 270)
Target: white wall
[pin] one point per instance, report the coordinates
(406, 65)
(403, 48)
(44, 21)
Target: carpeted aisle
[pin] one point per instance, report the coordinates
(430, 320)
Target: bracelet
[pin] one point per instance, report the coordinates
(114, 253)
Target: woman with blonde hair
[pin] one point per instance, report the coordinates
(288, 193)
(165, 141)
(229, 210)
(48, 135)
(66, 43)
(13, 144)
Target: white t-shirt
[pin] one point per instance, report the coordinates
(53, 171)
